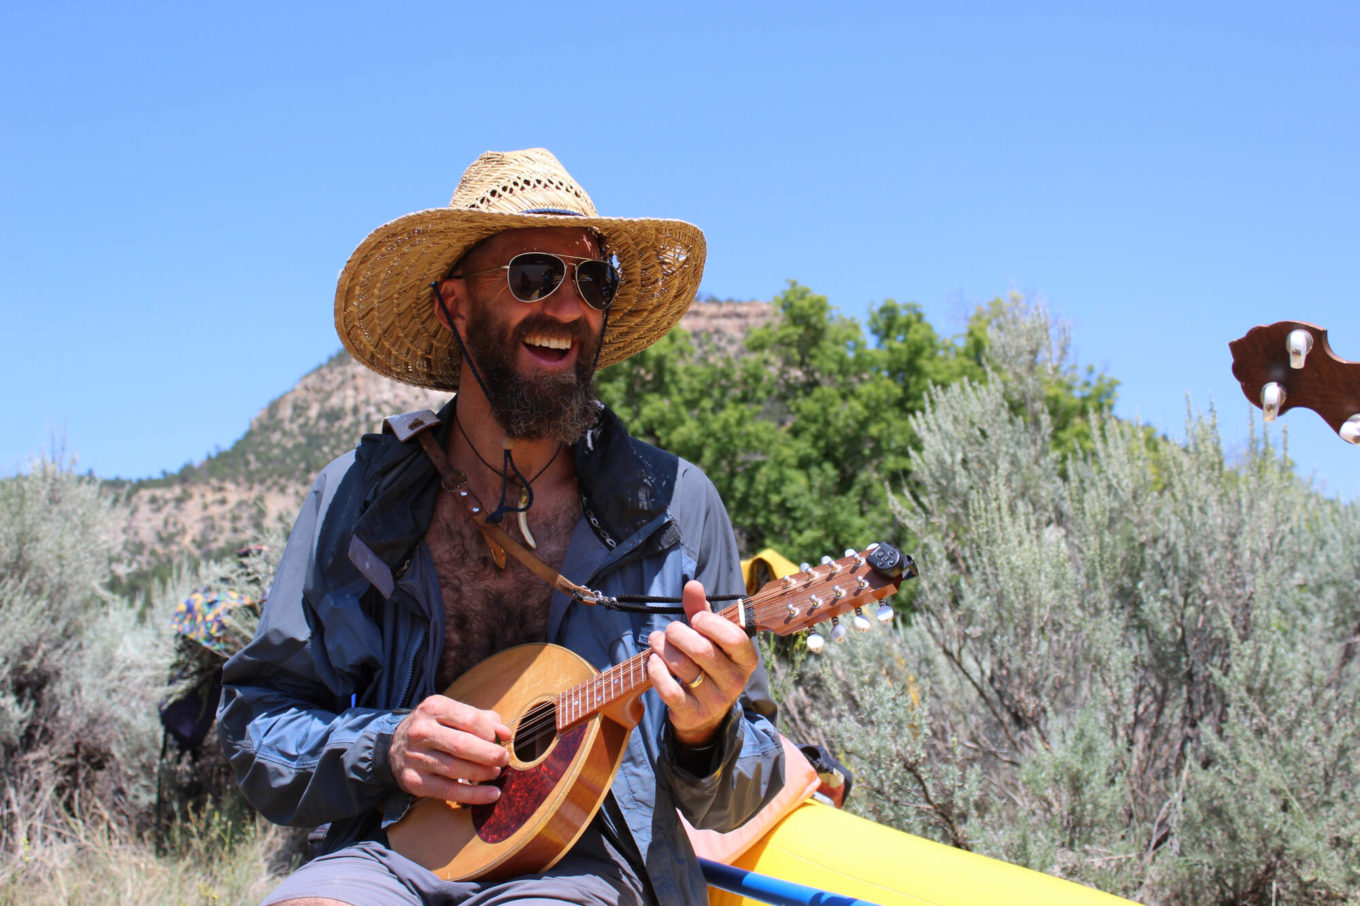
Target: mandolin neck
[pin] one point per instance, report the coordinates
(607, 688)
(783, 606)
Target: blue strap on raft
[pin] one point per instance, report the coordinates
(771, 890)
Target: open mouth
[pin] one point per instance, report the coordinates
(553, 349)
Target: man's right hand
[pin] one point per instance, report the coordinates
(448, 750)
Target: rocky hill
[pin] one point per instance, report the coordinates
(237, 496)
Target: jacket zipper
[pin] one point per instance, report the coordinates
(402, 702)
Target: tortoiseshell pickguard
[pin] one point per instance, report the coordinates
(524, 790)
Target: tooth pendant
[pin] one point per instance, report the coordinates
(523, 515)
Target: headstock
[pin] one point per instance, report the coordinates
(1290, 364)
(828, 591)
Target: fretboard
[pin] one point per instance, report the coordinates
(585, 700)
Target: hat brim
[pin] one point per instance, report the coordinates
(384, 307)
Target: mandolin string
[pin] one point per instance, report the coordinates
(542, 722)
(763, 602)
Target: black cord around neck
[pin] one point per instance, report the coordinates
(508, 461)
(507, 466)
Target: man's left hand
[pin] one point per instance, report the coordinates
(700, 667)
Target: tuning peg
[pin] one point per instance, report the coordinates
(806, 569)
(884, 614)
(1350, 429)
(835, 567)
(861, 622)
(859, 558)
(1300, 344)
(815, 642)
(838, 632)
(815, 601)
(793, 611)
(1272, 398)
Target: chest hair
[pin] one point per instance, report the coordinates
(487, 609)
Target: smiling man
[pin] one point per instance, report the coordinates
(361, 705)
(537, 361)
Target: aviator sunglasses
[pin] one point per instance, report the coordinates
(537, 275)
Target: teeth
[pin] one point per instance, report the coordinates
(549, 342)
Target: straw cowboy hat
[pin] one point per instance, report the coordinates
(384, 307)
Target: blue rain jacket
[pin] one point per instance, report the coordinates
(353, 630)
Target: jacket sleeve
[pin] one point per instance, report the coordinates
(745, 764)
(302, 755)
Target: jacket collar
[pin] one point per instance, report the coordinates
(625, 485)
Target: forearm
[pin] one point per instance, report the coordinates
(304, 766)
(744, 771)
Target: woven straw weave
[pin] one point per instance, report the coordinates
(384, 307)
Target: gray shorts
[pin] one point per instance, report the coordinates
(370, 874)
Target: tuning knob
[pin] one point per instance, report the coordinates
(884, 614)
(1350, 429)
(1300, 344)
(838, 632)
(835, 567)
(1272, 398)
(815, 642)
(861, 622)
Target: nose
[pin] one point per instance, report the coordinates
(565, 303)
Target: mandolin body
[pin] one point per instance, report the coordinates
(557, 779)
(549, 792)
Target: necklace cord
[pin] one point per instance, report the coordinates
(456, 483)
(508, 465)
(496, 537)
(501, 508)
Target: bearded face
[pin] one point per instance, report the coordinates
(538, 405)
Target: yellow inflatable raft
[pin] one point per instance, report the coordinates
(846, 856)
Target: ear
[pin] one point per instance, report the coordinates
(450, 292)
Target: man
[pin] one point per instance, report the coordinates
(395, 581)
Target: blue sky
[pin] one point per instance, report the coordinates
(181, 183)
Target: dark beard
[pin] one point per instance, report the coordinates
(534, 407)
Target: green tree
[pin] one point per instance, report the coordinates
(805, 429)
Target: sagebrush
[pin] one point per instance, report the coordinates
(1132, 667)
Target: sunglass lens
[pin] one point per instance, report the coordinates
(597, 281)
(535, 275)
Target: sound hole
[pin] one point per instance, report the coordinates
(536, 732)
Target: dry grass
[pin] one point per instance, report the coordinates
(91, 861)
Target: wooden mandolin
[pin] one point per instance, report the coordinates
(570, 725)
